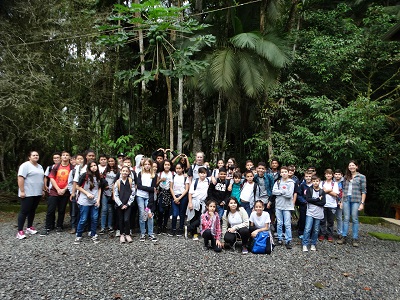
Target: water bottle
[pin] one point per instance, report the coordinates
(146, 214)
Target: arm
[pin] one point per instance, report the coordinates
(224, 226)
(55, 185)
(98, 198)
(276, 190)
(21, 182)
(289, 190)
(245, 220)
(117, 200)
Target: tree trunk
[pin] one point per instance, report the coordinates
(216, 148)
(180, 115)
(141, 51)
(197, 123)
(292, 16)
(170, 112)
(225, 134)
(263, 16)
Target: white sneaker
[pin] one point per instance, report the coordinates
(95, 239)
(305, 249)
(31, 230)
(21, 235)
(185, 232)
(313, 248)
(117, 233)
(195, 237)
(78, 240)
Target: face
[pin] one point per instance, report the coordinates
(220, 163)
(56, 158)
(202, 176)
(146, 165)
(125, 172)
(211, 207)
(249, 165)
(312, 170)
(352, 167)
(167, 166)
(79, 160)
(111, 162)
(199, 159)
(159, 159)
(93, 167)
(91, 156)
(308, 178)
(291, 173)
(315, 183)
(230, 162)
(120, 160)
(338, 176)
(103, 161)
(155, 167)
(65, 157)
(73, 161)
(178, 169)
(34, 157)
(259, 208)
(236, 180)
(328, 176)
(261, 171)
(285, 174)
(249, 177)
(127, 163)
(274, 164)
(232, 205)
(222, 175)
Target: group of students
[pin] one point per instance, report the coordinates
(223, 205)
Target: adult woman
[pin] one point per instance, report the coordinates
(354, 194)
(30, 190)
(235, 223)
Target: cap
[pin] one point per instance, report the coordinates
(121, 155)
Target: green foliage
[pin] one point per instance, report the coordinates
(124, 144)
(385, 236)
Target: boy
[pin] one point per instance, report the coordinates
(102, 163)
(273, 170)
(193, 172)
(265, 182)
(315, 198)
(331, 190)
(197, 196)
(73, 205)
(120, 158)
(219, 192)
(338, 177)
(249, 164)
(56, 160)
(284, 189)
(249, 192)
(302, 202)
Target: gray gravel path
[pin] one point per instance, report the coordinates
(53, 267)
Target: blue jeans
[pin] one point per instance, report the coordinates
(246, 206)
(86, 212)
(106, 212)
(339, 220)
(142, 204)
(284, 217)
(311, 230)
(179, 210)
(220, 211)
(350, 208)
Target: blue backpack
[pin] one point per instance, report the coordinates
(262, 243)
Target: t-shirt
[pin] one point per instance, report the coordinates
(83, 199)
(263, 190)
(247, 192)
(315, 211)
(60, 175)
(330, 200)
(194, 171)
(235, 219)
(165, 184)
(110, 178)
(33, 179)
(179, 185)
(260, 221)
(146, 181)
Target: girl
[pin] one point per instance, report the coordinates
(124, 195)
(211, 227)
(183, 160)
(30, 191)
(89, 187)
(107, 203)
(259, 219)
(234, 187)
(231, 167)
(215, 172)
(179, 190)
(235, 223)
(165, 197)
(354, 194)
(146, 188)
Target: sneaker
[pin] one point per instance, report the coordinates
(128, 238)
(301, 236)
(44, 232)
(355, 243)
(172, 232)
(95, 239)
(152, 238)
(110, 230)
(195, 237)
(313, 248)
(164, 230)
(142, 238)
(102, 231)
(31, 230)
(321, 238)
(186, 232)
(72, 231)
(305, 249)
(118, 233)
(78, 240)
(342, 240)
(244, 250)
(122, 239)
(21, 235)
(288, 245)
(330, 239)
(59, 229)
(159, 231)
(179, 232)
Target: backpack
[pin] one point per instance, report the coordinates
(262, 243)
(196, 181)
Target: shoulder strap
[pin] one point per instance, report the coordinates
(196, 181)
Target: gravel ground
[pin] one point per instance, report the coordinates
(52, 267)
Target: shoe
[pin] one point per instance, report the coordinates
(21, 235)
(205, 248)
(301, 236)
(195, 237)
(288, 245)
(244, 250)
(31, 230)
(186, 232)
(122, 239)
(355, 243)
(321, 238)
(117, 233)
(72, 231)
(330, 239)
(153, 238)
(164, 230)
(179, 232)
(95, 239)
(102, 231)
(110, 230)
(305, 249)
(159, 231)
(313, 248)
(142, 238)
(59, 229)
(172, 232)
(78, 240)
(128, 238)
(341, 241)
(44, 232)
(280, 243)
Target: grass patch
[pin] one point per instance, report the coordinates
(370, 220)
(385, 236)
(14, 208)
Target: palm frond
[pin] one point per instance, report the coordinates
(271, 48)
(246, 40)
(223, 69)
(250, 74)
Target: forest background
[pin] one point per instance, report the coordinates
(310, 82)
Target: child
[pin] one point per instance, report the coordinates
(218, 190)
(235, 223)
(249, 191)
(179, 190)
(211, 227)
(235, 186)
(124, 195)
(73, 205)
(164, 181)
(265, 182)
(338, 177)
(249, 164)
(89, 186)
(302, 203)
(215, 172)
(315, 197)
(259, 219)
(331, 190)
(146, 188)
(283, 189)
(197, 196)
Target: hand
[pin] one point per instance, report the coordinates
(341, 205)
(150, 215)
(211, 213)
(190, 206)
(231, 230)
(254, 233)
(361, 207)
(60, 192)
(219, 244)
(164, 179)
(213, 180)
(155, 190)
(22, 194)
(90, 196)
(124, 207)
(222, 203)
(97, 204)
(269, 205)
